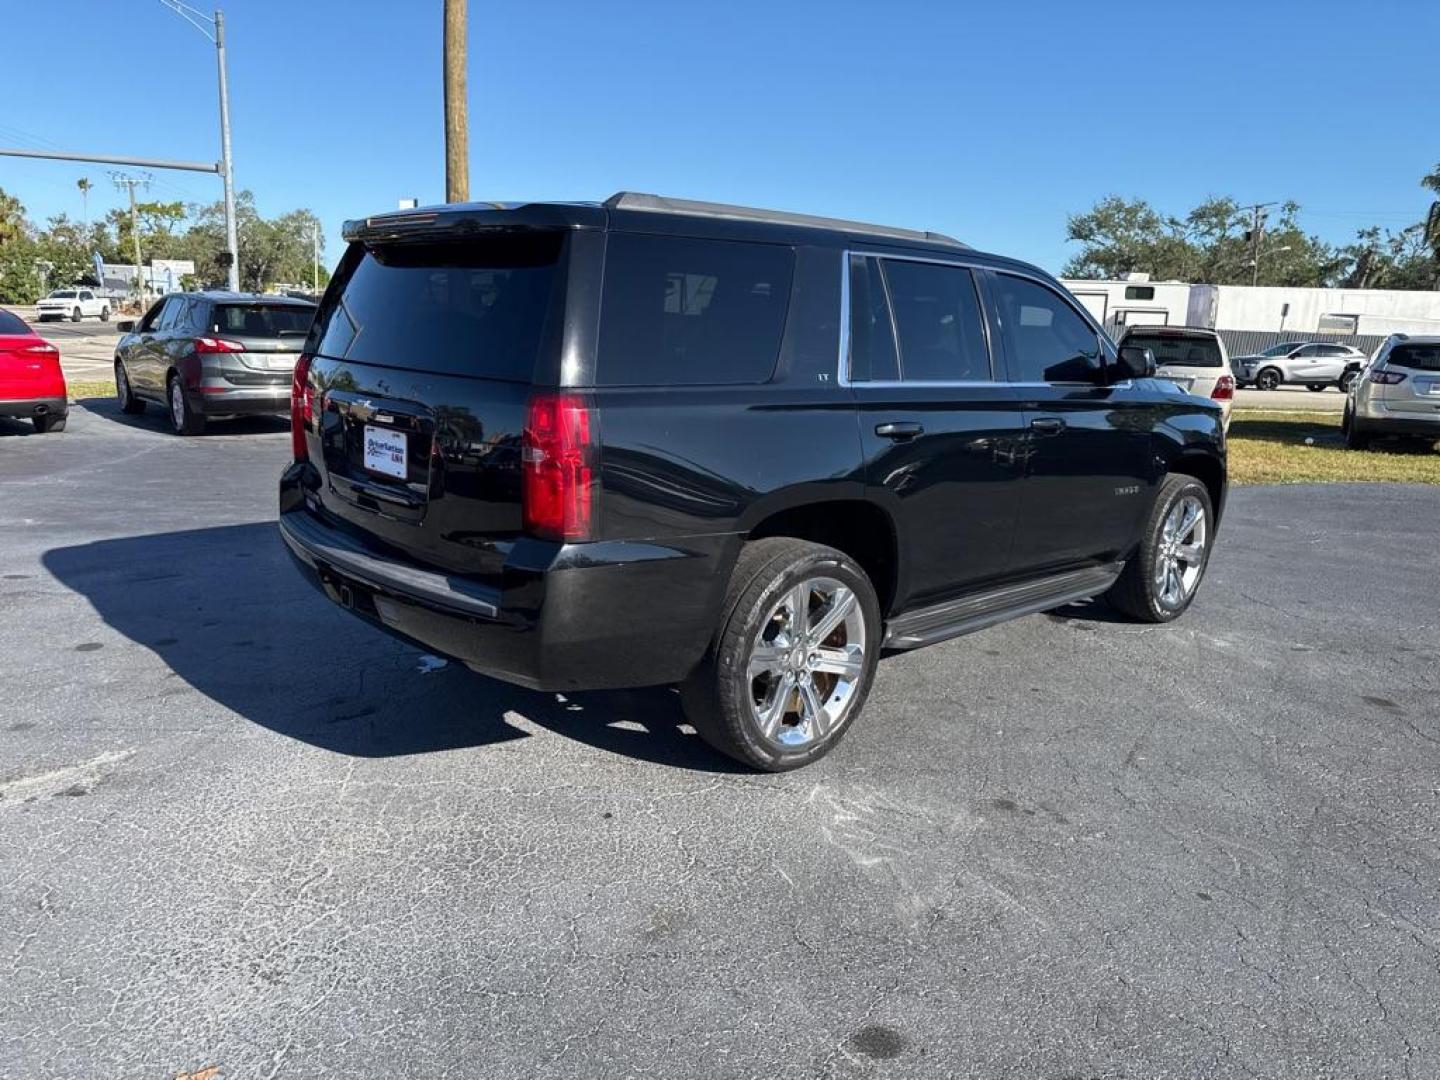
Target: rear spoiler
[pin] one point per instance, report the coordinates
(468, 219)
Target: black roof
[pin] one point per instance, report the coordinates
(624, 208)
(225, 296)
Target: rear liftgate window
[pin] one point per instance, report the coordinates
(262, 320)
(472, 307)
(1178, 349)
(678, 311)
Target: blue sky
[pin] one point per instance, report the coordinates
(990, 121)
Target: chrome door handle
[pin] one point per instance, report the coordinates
(1047, 425)
(901, 429)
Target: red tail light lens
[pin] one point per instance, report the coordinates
(1224, 388)
(45, 348)
(1387, 378)
(558, 465)
(217, 345)
(302, 409)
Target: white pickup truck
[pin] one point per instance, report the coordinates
(74, 304)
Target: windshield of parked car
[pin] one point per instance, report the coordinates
(1417, 357)
(1180, 350)
(263, 320)
(63, 294)
(1282, 349)
(12, 324)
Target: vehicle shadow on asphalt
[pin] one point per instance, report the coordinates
(15, 428)
(227, 612)
(154, 419)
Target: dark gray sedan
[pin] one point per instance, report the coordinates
(210, 355)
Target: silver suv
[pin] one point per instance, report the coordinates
(1315, 364)
(1398, 393)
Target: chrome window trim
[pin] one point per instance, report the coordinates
(972, 265)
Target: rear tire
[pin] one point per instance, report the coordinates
(183, 419)
(48, 423)
(129, 403)
(1268, 379)
(1355, 438)
(1160, 582)
(104, 314)
(767, 663)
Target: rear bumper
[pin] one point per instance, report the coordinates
(1375, 417)
(246, 401)
(28, 408)
(591, 616)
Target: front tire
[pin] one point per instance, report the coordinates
(1268, 379)
(793, 659)
(75, 315)
(1161, 581)
(183, 419)
(1347, 380)
(129, 403)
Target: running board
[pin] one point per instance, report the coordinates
(979, 610)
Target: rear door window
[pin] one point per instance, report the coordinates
(684, 311)
(262, 320)
(873, 357)
(477, 307)
(12, 324)
(938, 320)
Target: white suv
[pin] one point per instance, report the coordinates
(1191, 357)
(73, 304)
(1398, 393)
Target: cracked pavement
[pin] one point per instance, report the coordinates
(241, 830)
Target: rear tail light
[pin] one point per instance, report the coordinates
(43, 349)
(1224, 388)
(217, 345)
(302, 408)
(558, 465)
(1387, 378)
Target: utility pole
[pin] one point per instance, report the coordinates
(130, 183)
(215, 33)
(315, 249)
(457, 125)
(1257, 231)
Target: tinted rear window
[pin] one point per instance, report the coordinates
(262, 320)
(1178, 350)
(682, 311)
(473, 307)
(11, 324)
(1419, 357)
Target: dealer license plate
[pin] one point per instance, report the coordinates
(385, 451)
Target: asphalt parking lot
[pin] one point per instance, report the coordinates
(240, 829)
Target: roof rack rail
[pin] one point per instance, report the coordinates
(660, 204)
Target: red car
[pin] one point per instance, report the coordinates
(31, 383)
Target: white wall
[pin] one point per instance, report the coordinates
(1242, 307)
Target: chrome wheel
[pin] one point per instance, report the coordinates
(177, 404)
(1181, 556)
(806, 663)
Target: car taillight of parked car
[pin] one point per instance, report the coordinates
(1387, 378)
(1224, 388)
(302, 409)
(557, 462)
(44, 349)
(217, 345)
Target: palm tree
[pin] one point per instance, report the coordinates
(1431, 179)
(85, 185)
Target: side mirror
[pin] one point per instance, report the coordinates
(1135, 362)
(126, 326)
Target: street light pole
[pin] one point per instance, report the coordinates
(215, 34)
(232, 239)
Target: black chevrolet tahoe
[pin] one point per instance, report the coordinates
(652, 441)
